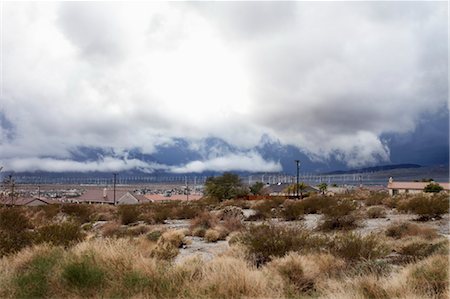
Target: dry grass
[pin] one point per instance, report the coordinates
(406, 229)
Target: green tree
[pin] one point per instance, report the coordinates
(433, 188)
(293, 188)
(323, 187)
(256, 188)
(224, 187)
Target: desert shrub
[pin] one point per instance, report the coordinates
(64, 234)
(50, 211)
(13, 220)
(198, 231)
(128, 214)
(154, 235)
(204, 220)
(376, 212)
(418, 249)
(33, 280)
(243, 204)
(267, 241)
(291, 270)
(212, 235)
(354, 247)
(137, 230)
(267, 208)
(233, 223)
(112, 229)
(391, 202)
(83, 274)
(375, 198)
(293, 210)
(401, 230)
(430, 277)
(316, 204)
(370, 287)
(427, 207)
(376, 267)
(168, 244)
(11, 242)
(339, 215)
(135, 282)
(341, 223)
(80, 212)
(186, 211)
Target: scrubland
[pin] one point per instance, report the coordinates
(79, 251)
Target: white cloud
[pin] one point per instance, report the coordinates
(251, 162)
(328, 78)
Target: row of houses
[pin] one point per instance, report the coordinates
(99, 196)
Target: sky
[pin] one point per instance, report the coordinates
(189, 87)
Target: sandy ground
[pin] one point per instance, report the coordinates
(207, 251)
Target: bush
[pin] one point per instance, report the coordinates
(267, 241)
(233, 223)
(154, 235)
(291, 270)
(316, 204)
(80, 212)
(430, 277)
(33, 281)
(419, 249)
(11, 242)
(13, 220)
(168, 244)
(376, 212)
(427, 207)
(355, 247)
(64, 234)
(293, 210)
(375, 198)
(83, 274)
(265, 208)
(50, 211)
(339, 215)
(128, 214)
(212, 235)
(204, 220)
(401, 230)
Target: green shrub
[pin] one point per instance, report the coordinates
(316, 204)
(135, 282)
(50, 211)
(128, 214)
(339, 215)
(354, 247)
(13, 220)
(80, 212)
(83, 274)
(64, 234)
(340, 223)
(33, 282)
(267, 241)
(428, 207)
(293, 210)
(154, 235)
(376, 212)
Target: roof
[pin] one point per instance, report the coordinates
(22, 201)
(160, 197)
(415, 185)
(96, 195)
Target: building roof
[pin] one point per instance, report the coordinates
(23, 201)
(96, 195)
(415, 185)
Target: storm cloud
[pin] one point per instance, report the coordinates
(329, 78)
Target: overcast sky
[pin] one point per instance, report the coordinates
(327, 78)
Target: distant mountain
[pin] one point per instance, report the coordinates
(375, 168)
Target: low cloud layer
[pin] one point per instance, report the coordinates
(327, 78)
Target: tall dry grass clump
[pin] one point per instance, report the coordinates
(407, 229)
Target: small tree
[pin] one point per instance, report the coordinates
(224, 187)
(433, 188)
(323, 187)
(256, 188)
(301, 187)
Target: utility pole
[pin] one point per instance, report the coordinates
(114, 187)
(187, 188)
(298, 173)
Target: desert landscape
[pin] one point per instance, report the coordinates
(358, 245)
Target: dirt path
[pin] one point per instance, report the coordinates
(198, 247)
